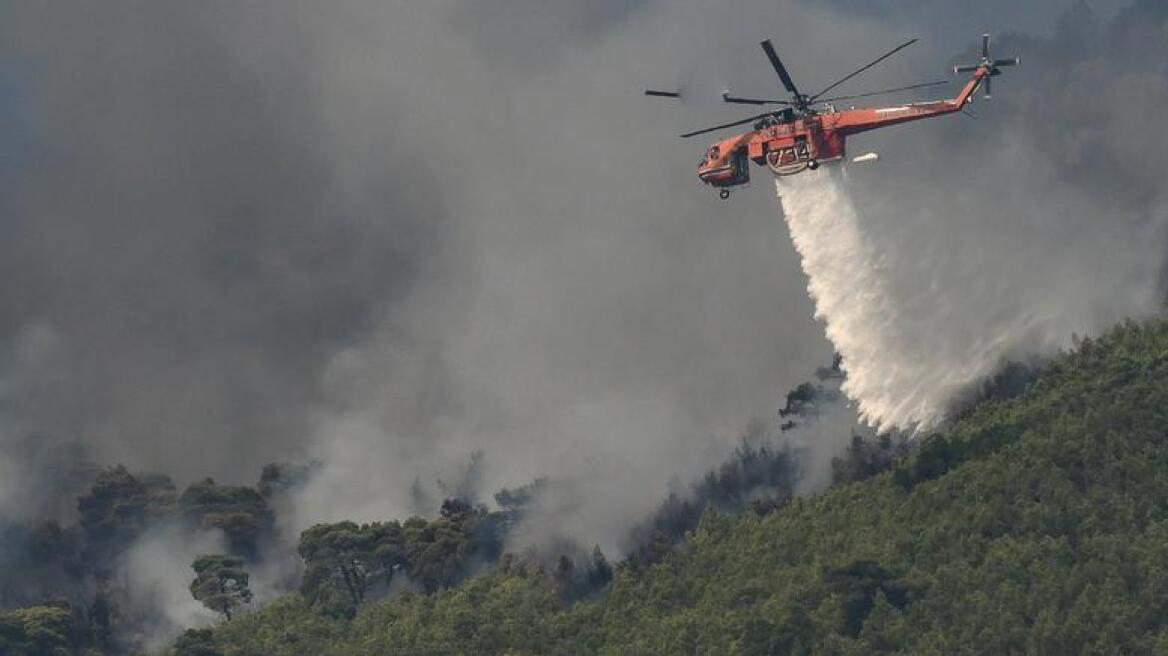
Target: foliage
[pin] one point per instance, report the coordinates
(220, 583)
(865, 458)
(1035, 524)
(45, 630)
(517, 499)
(38, 561)
(79, 562)
(277, 479)
(117, 509)
(757, 475)
(241, 513)
(345, 561)
(289, 626)
(196, 642)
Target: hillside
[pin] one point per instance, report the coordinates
(1034, 525)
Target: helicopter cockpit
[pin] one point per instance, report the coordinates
(725, 169)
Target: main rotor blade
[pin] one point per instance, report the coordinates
(662, 94)
(726, 125)
(779, 68)
(864, 68)
(739, 100)
(880, 93)
(985, 46)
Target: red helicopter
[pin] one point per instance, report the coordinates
(800, 136)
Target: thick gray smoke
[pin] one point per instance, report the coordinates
(155, 580)
(176, 226)
(387, 234)
(548, 356)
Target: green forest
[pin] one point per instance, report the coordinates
(1035, 524)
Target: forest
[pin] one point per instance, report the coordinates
(1037, 522)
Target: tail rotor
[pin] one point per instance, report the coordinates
(992, 66)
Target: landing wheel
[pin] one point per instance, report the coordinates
(724, 194)
(813, 165)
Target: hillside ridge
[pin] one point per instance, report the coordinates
(1035, 524)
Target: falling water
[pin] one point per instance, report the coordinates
(893, 376)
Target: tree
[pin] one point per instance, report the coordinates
(346, 559)
(196, 642)
(866, 457)
(601, 572)
(517, 499)
(277, 479)
(117, 508)
(38, 630)
(99, 617)
(440, 553)
(220, 583)
(240, 512)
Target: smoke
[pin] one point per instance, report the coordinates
(819, 441)
(173, 222)
(155, 579)
(605, 326)
(593, 320)
(151, 585)
(42, 468)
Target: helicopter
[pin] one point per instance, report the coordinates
(808, 130)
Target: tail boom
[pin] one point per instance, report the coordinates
(855, 121)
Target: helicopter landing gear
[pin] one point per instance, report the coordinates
(724, 194)
(813, 165)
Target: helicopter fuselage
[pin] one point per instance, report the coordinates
(808, 139)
